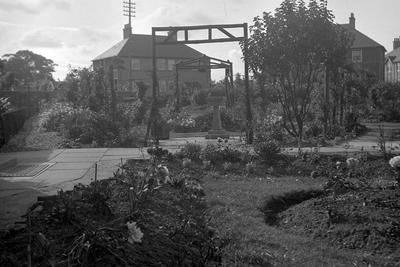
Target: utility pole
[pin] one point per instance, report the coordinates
(130, 10)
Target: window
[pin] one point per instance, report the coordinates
(356, 55)
(163, 86)
(161, 64)
(135, 64)
(115, 74)
(171, 64)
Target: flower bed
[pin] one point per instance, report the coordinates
(96, 226)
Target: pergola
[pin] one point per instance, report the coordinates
(204, 63)
(211, 38)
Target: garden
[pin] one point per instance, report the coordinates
(223, 204)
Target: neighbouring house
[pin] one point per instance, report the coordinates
(392, 63)
(366, 54)
(131, 61)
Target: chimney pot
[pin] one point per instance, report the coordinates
(352, 21)
(396, 43)
(127, 31)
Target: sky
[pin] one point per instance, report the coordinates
(73, 32)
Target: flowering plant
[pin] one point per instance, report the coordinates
(352, 162)
(395, 162)
(135, 234)
(182, 122)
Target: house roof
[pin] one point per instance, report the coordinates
(360, 39)
(394, 55)
(140, 45)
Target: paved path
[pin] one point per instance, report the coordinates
(62, 170)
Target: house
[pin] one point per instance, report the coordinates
(131, 59)
(366, 54)
(392, 63)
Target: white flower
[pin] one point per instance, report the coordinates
(352, 162)
(164, 172)
(135, 234)
(338, 164)
(395, 162)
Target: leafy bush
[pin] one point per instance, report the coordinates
(182, 123)
(229, 122)
(313, 130)
(269, 128)
(4, 104)
(191, 151)
(200, 98)
(386, 100)
(221, 153)
(267, 151)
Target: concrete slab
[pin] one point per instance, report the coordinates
(85, 150)
(32, 156)
(73, 159)
(71, 166)
(123, 157)
(124, 151)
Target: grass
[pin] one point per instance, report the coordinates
(234, 206)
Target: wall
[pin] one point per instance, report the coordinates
(392, 72)
(126, 75)
(373, 60)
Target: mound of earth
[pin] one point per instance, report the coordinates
(368, 219)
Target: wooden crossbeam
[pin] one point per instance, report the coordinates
(226, 32)
(187, 41)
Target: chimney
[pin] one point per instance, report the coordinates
(396, 43)
(352, 21)
(174, 37)
(127, 31)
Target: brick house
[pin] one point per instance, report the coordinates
(392, 63)
(366, 54)
(132, 62)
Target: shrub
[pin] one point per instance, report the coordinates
(313, 130)
(221, 153)
(182, 123)
(4, 104)
(229, 122)
(200, 98)
(267, 151)
(211, 153)
(191, 151)
(269, 128)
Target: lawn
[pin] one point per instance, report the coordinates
(235, 208)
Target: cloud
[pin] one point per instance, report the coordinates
(96, 35)
(182, 14)
(41, 39)
(33, 6)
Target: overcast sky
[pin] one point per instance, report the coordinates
(73, 32)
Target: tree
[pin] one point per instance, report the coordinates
(290, 48)
(27, 68)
